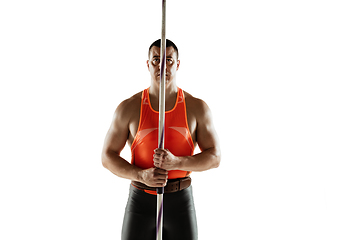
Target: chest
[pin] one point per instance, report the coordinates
(135, 120)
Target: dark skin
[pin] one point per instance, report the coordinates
(126, 120)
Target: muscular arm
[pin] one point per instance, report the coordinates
(208, 143)
(115, 141)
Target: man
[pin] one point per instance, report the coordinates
(187, 123)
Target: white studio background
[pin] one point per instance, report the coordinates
(281, 79)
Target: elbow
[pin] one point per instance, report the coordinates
(105, 160)
(108, 158)
(217, 162)
(217, 158)
(104, 163)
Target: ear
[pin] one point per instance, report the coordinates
(147, 63)
(177, 65)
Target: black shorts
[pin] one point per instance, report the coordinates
(179, 216)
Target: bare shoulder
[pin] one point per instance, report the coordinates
(127, 108)
(196, 105)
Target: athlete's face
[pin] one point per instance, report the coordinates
(172, 64)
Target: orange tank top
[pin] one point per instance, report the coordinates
(177, 135)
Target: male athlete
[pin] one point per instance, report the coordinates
(187, 123)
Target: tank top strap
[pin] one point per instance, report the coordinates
(145, 97)
(180, 98)
(146, 101)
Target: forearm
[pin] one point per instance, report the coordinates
(120, 167)
(208, 159)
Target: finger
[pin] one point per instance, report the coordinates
(157, 156)
(160, 176)
(160, 151)
(159, 184)
(157, 165)
(161, 171)
(160, 181)
(163, 184)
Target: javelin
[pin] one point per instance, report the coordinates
(160, 191)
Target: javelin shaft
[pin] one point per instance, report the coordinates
(162, 78)
(161, 136)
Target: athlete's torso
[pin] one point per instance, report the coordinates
(178, 137)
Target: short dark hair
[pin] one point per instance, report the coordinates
(169, 43)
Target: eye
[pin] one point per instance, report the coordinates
(170, 61)
(155, 61)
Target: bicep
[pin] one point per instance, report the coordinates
(206, 134)
(118, 133)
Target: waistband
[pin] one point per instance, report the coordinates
(172, 186)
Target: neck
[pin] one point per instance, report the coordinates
(170, 90)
